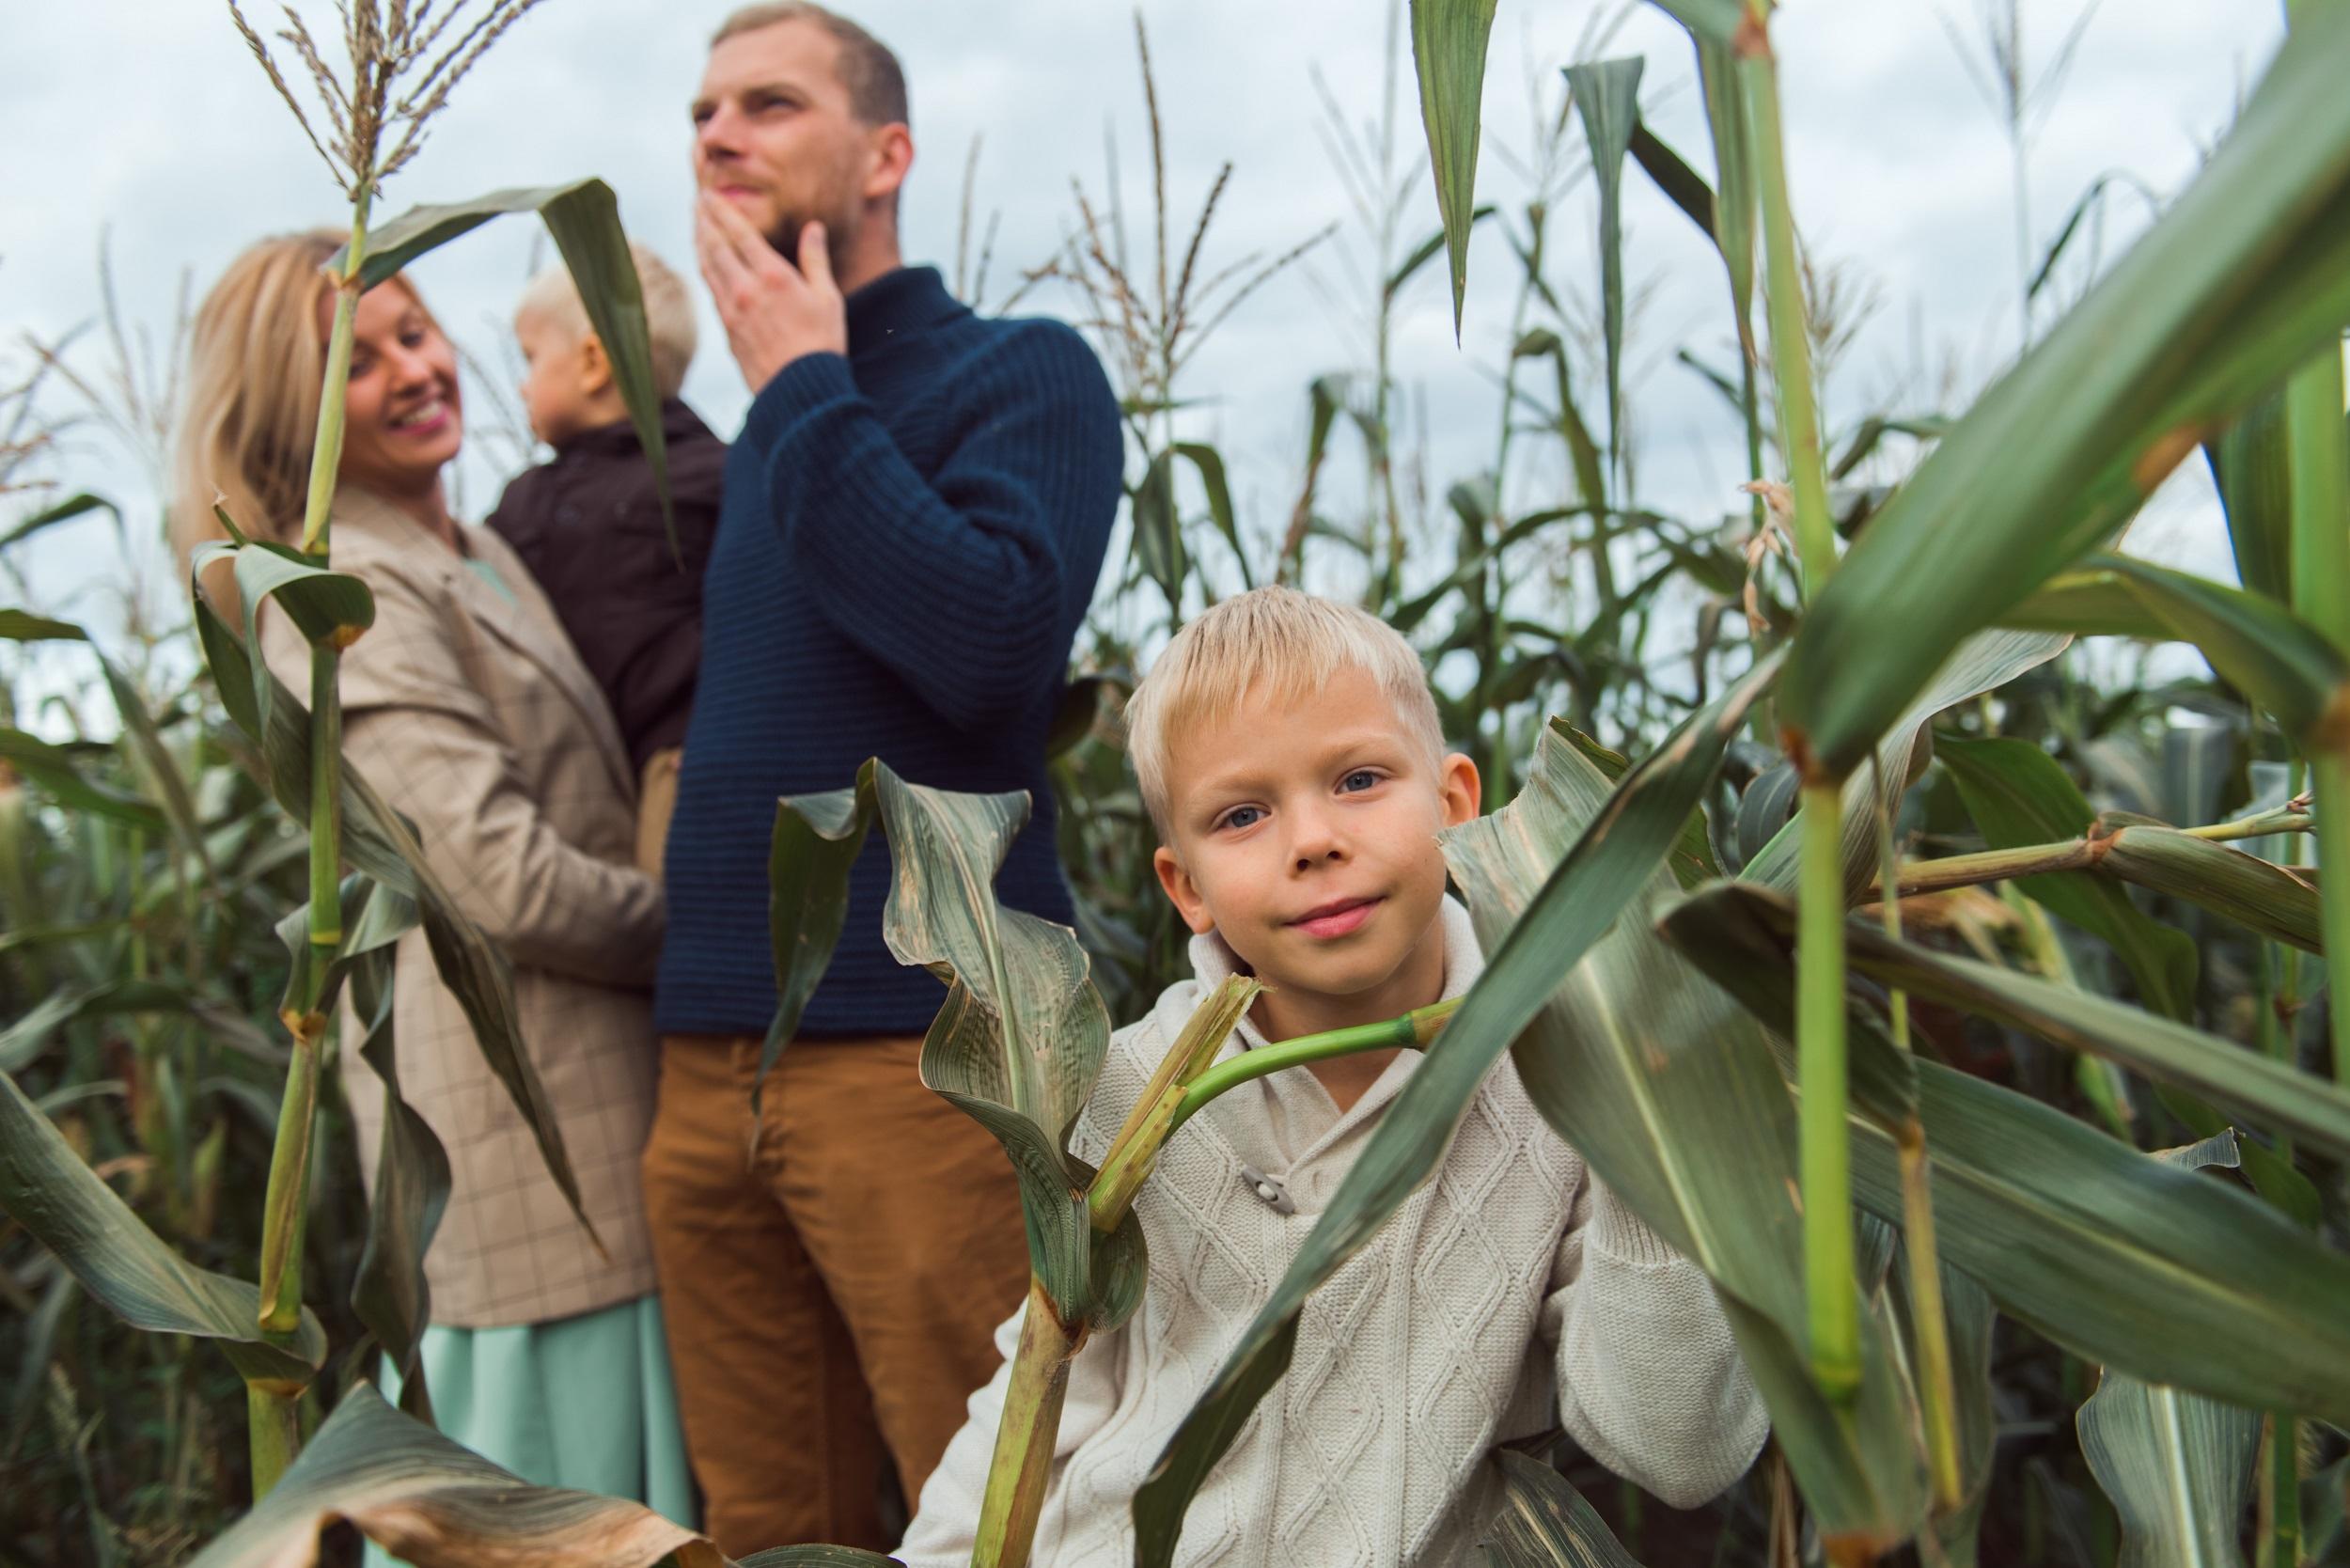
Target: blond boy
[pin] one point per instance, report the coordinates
(1289, 750)
(589, 524)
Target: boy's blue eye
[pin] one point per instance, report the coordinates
(1361, 779)
(1241, 816)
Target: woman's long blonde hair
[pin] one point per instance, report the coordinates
(256, 361)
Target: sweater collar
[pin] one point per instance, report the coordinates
(898, 304)
(1213, 962)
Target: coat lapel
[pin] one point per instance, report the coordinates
(526, 622)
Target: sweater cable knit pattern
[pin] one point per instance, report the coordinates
(1509, 1291)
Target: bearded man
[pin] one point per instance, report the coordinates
(914, 515)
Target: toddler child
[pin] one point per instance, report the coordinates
(1289, 750)
(588, 524)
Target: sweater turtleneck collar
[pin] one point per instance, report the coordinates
(901, 301)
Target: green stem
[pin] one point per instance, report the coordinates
(1830, 1268)
(2281, 1546)
(327, 451)
(1751, 404)
(1791, 342)
(326, 800)
(274, 1416)
(2331, 772)
(1134, 1151)
(288, 1192)
(1937, 1383)
(2280, 821)
(1022, 1468)
(1415, 1029)
(275, 1433)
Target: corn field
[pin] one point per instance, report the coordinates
(1954, 990)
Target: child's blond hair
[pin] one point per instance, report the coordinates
(1275, 643)
(553, 298)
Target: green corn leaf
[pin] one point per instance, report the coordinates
(389, 1294)
(2248, 467)
(2274, 658)
(29, 1033)
(1683, 186)
(1968, 1315)
(1712, 21)
(331, 607)
(1667, 1088)
(1736, 177)
(1607, 95)
(1448, 39)
(146, 741)
(2019, 795)
(63, 511)
(1019, 1041)
(583, 220)
(1210, 466)
(1544, 1523)
(1982, 662)
(377, 844)
(816, 841)
(1159, 531)
(1423, 253)
(2128, 1261)
(59, 772)
(25, 626)
(2242, 278)
(2257, 894)
(818, 1557)
(430, 1502)
(2267, 1092)
(46, 1188)
(1601, 876)
(2177, 1468)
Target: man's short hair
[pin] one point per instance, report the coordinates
(552, 297)
(876, 83)
(1276, 643)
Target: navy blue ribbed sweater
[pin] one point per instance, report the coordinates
(908, 542)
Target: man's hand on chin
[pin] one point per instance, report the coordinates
(773, 314)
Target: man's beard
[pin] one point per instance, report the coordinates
(839, 229)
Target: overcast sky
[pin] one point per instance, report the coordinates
(146, 120)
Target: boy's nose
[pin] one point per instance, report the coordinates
(1313, 842)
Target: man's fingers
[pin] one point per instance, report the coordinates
(750, 249)
(814, 260)
(720, 268)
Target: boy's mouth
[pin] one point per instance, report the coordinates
(1336, 917)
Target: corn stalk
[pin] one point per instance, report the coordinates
(1830, 1271)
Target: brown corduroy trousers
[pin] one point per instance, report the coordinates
(832, 1286)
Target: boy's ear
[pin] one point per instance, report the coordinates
(1181, 891)
(595, 366)
(1460, 789)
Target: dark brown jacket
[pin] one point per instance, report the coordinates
(589, 527)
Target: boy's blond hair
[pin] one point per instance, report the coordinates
(1276, 643)
(553, 298)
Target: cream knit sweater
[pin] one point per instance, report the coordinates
(1509, 1291)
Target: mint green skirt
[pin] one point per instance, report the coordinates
(584, 1402)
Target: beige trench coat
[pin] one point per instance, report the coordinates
(469, 710)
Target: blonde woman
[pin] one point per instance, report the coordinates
(467, 708)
